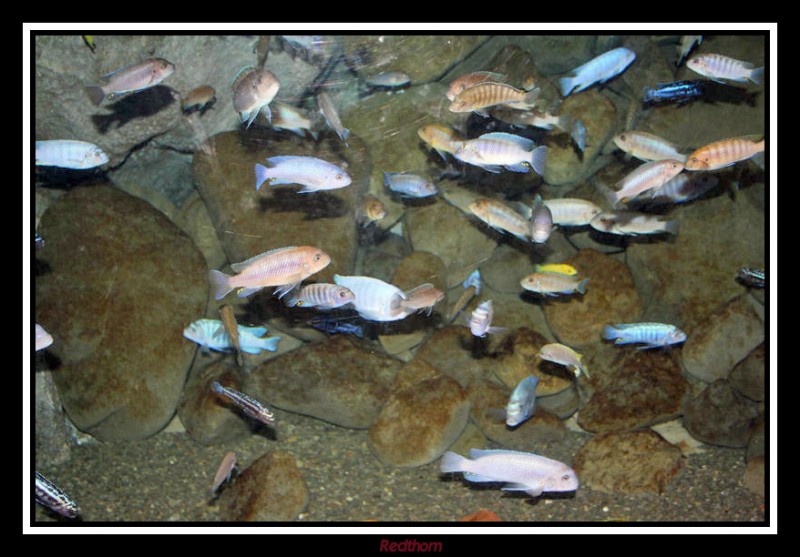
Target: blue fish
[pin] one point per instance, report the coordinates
(680, 92)
(334, 325)
(211, 334)
(654, 335)
(408, 184)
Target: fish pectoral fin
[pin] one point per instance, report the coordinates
(521, 487)
(470, 477)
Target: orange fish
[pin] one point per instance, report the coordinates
(441, 138)
(282, 267)
(371, 210)
(469, 80)
(723, 153)
(231, 327)
(423, 297)
(484, 95)
(481, 515)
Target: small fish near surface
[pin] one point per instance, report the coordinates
(310, 172)
(719, 67)
(597, 70)
(531, 473)
(522, 402)
(50, 496)
(553, 284)
(247, 404)
(281, 267)
(497, 150)
(253, 90)
(224, 472)
(321, 296)
(211, 334)
(723, 153)
(480, 322)
(69, 153)
(653, 335)
(131, 79)
(408, 184)
(565, 356)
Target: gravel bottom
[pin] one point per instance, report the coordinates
(165, 479)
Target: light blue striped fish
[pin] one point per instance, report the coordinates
(211, 334)
(654, 335)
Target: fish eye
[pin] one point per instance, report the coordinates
(565, 477)
(339, 177)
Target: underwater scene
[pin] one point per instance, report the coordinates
(387, 278)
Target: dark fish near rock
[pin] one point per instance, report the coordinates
(49, 495)
(250, 406)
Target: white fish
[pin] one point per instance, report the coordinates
(522, 402)
(224, 472)
(500, 217)
(719, 67)
(647, 146)
(553, 284)
(408, 184)
(564, 355)
(527, 472)
(390, 79)
(630, 223)
(331, 115)
(211, 335)
(312, 173)
(647, 176)
(322, 296)
(287, 117)
(480, 322)
(654, 335)
(43, 338)
(130, 79)
(541, 221)
(597, 70)
(69, 153)
(375, 299)
(571, 211)
(496, 150)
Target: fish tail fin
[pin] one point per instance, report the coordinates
(582, 286)
(608, 194)
(539, 159)
(531, 97)
(671, 227)
(610, 332)
(270, 343)
(220, 283)
(262, 175)
(757, 76)
(566, 84)
(578, 134)
(452, 462)
(95, 94)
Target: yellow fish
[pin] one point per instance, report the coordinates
(89, 40)
(560, 268)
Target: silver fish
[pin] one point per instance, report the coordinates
(522, 403)
(375, 299)
(630, 223)
(564, 355)
(597, 70)
(69, 153)
(331, 115)
(253, 90)
(719, 67)
(310, 172)
(526, 472)
(496, 150)
(654, 335)
(408, 184)
(50, 496)
(130, 79)
(250, 406)
(224, 472)
(647, 176)
(322, 296)
(541, 221)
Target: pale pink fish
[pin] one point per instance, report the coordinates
(630, 223)
(441, 138)
(480, 322)
(375, 299)
(224, 472)
(321, 296)
(541, 225)
(468, 80)
(721, 154)
(43, 338)
(564, 355)
(719, 67)
(647, 146)
(253, 90)
(283, 267)
(526, 472)
(496, 150)
(648, 176)
(501, 217)
(570, 211)
(130, 79)
(553, 284)
(423, 297)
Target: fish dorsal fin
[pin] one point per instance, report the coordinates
(241, 74)
(478, 453)
(238, 267)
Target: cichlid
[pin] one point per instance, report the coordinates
(321, 296)
(43, 338)
(253, 90)
(631, 223)
(487, 94)
(408, 184)
(724, 153)
(212, 335)
(570, 211)
(647, 176)
(331, 115)
(370, 210)
(560, 268)
(680, 92)
(553, 284)
(69, 153)
(654, 335)
(441, 138)
(598, 70)
(224, 472)
(522, 402)
(688, 42)
(131, 79)
(541, 221)
(49, 495)
(422, 297)
(282, 267)
(500, 217)
(389, 80)
(526, 472)
(565, 356)
(496, 150)
(469, 80)
(749, 276)
(247, 404)
(199, 99)
(647, 146)
(287, 117)
(336, 325)
(310, 172)
(480, 322)
(375, 299)
(719, 67)
(682, 188)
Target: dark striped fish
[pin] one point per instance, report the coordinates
(50, 496)
(751, 276)
(250, 406)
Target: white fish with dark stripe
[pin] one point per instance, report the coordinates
(321, 295)
(526, 472)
